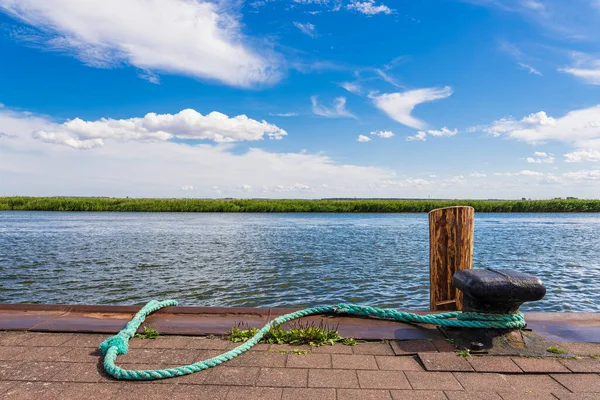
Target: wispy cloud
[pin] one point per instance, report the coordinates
(287, 114)
(582, 155)
(352, 87)
(193, 38)
(337, 111)
(399, 106)
(368, 7)
(383, 134)
(585, 67)
(419, 136)
(363, 138)
(514, 52)
(307, 28)
(541, 157)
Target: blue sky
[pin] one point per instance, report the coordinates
(300, 98)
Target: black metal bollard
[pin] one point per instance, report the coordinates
(497, 291)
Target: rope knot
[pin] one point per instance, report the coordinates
(118, 341)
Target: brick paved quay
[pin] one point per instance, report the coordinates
(68, 365)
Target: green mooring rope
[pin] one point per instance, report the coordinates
(119, 344)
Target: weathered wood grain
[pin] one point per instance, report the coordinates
(450, 250)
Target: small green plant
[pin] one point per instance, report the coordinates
(430, 340)
(148, 333)
(293, 351)
(298, 334)
(241, 333)
(349, 342)
(466, 353)
(555, 350)
(449, 340)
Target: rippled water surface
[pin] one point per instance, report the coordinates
(266, 260)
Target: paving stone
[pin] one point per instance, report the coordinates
(289, 348)
(582, 365)
(398, 363)
(444, 346)
(90, 391)
(418, 395)
(35, 391)
(526, 396)
(539, 365)
(11, 352)
(309, 361)
(78, 372)
(31, 371)
(581, 349)
(432, 380)
(234, 376)
(382, 380)
(85, 340)
(335, 349)
(193, 392)
(578, 396)
(259, 359)
(168, 342)
(534, 383)
(483, 382)
(308, 393)
(580, 382)
(146, 391)
(175, 357)
(343, 361)
(493, 364)
(462, 395)
(43, 354)
(332, 378)
(208, 344)
(412, 347)
(363, 394)
(282, 377)
(13, 338)
(251, 393)
(137, 356)
(47, 339)
(5, 385)
(80, 354)
(374, 349)
(444, 362)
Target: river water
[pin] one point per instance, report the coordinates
(264, 260)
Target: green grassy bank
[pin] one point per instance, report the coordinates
(257, 205)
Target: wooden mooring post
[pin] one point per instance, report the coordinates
(450, 250)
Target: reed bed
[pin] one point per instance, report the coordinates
(286, 206)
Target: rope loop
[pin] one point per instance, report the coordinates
(119, 343)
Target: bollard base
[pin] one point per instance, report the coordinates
(502, 342)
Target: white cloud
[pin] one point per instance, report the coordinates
(583, 155)
(533, 5)
(542, 158)
(194, 38)
(307, 28)
(383, 134)
(422, 136)
(585, 67)
(579, 128)
(187, 124)
(287, 114)
(529, 68)
(351, 87)
(443, 132)
(188, 188)
(593, 174)
(478, 174)
(524, 172)
(338, 110)
(399, 106)
(368, 7)
(363, 138)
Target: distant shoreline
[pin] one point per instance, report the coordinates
(105, 204)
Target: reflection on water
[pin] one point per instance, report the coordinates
(264, 260)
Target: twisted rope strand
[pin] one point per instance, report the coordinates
(112, 347)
